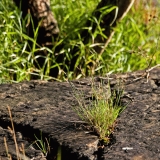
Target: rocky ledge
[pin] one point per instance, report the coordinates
(45, 110)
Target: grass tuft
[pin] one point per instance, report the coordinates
(102, 110)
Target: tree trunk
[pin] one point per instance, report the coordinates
(41, 13)
(109, 20)
(42, 16)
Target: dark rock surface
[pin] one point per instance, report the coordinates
(47, 106)
(30, 152)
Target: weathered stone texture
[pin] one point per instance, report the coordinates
(47, 106)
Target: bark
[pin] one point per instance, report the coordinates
(41, 14)
(110, 20)
(38, 13)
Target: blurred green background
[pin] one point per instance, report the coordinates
(134, 46)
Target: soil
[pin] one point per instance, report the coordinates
(47, 107)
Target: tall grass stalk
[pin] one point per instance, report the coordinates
(17, 148)
(13, 134)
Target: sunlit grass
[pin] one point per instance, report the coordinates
(101, 112)
(134, 46)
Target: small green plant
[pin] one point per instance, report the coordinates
(19, 152)
(102, 110)
(43, 145)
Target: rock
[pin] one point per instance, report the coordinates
(47, 107)
(7, 147)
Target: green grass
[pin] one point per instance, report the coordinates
(101, 112)
(42, 145)
(133, 47)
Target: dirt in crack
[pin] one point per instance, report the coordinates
(37, 145)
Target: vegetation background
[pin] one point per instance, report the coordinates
(134, 46)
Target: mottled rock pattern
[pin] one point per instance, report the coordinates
(30, 151)
(47, 107)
